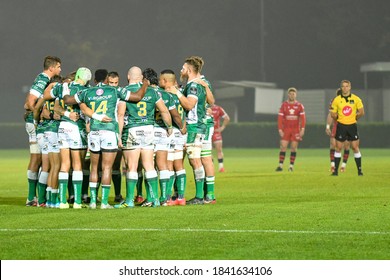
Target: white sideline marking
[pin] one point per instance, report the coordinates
(203, 230)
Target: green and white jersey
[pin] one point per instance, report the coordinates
(179, 109)
(57, 92)
(197, 114)
(142, 113)
(50, 125)
(132, 88)
(102, 99)
(38, 87)
(40, 84)
(40, 128)
(169, 103)
(209, 121)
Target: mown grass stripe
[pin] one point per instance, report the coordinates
(203, 230)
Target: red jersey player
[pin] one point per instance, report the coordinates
(218, 114)
(291, 125)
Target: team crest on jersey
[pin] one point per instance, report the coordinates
(99, 91)
(193, 90)
(352, 102)
(292, 111)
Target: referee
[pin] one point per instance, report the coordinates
(346, 109)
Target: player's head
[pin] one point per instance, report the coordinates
(113, 78)
(192, 67)
(339, 92)
(134, 75)
(292, 94)
(52, 65)
(50, 61)
(101, 75)
(70, 77)
(56, 79)
(199, 62)
(345, 86)
(292, 89)
(83, 75)
(150, 75)
(167, 78)
(345, 82)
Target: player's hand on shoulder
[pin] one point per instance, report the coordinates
(201, 82)
(146, 81)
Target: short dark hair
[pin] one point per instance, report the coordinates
(71, 76)
(167, 71)
(101, 75)
(56, 78)
(150, 75)
(50, 61)
(113, 74)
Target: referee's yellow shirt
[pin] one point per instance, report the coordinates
(346, 108)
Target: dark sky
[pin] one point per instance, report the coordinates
(308, 44)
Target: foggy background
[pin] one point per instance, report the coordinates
(307, 44)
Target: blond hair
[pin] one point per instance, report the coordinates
(292, 89)
(196, 62)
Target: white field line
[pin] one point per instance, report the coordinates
(342, 232)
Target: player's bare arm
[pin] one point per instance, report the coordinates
(121, 107)
(165, 115)
(60, 111)
(31, 99)
(329, 121)
(139, 94)
(187, 103)
(334, 115)
(46, 93)
(359, 113)
(37, 110)
(177, 119)
(302, 132)
(45, 113)
(225, 122)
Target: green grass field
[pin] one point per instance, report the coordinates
(260, 215)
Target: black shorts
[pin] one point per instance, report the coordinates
(346, 132)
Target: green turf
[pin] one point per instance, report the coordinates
(260, 214)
